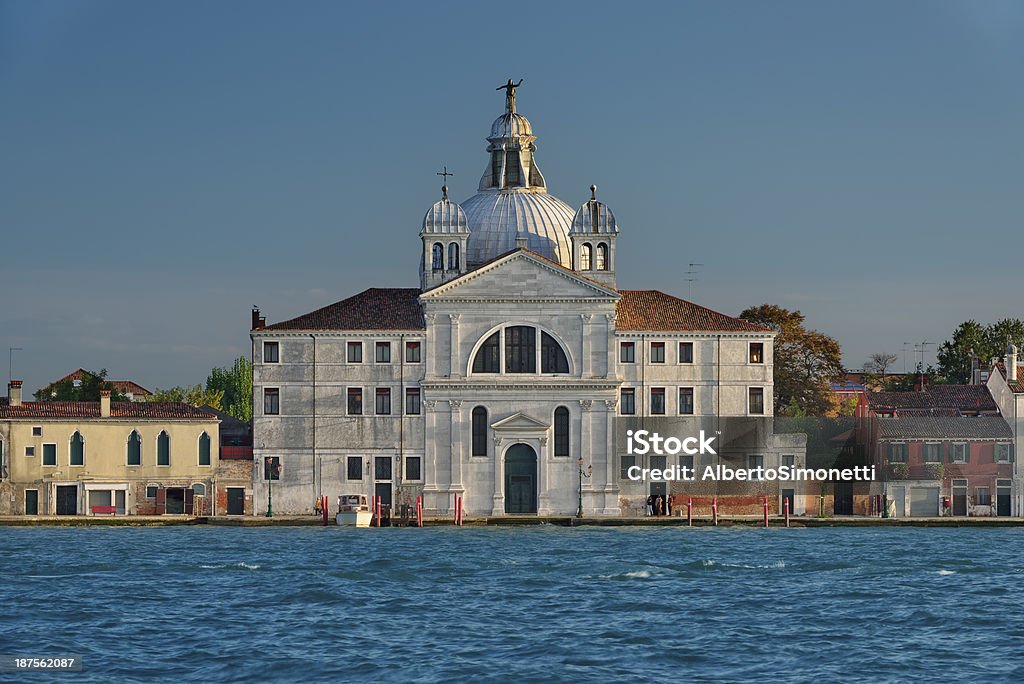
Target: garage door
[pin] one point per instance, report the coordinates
(924, 501)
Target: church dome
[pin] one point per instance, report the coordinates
(496, 219)
(444, 217)
(512, 199)
(510, 126)
(594, 217)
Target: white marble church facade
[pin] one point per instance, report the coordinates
(508, 364)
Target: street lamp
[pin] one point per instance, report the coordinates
(583, 473)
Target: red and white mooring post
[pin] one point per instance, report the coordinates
(689, 511)
(785, 509)
(714, 511)
(419, 511)
(766, 511)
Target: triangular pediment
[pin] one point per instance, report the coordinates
(522, 275)
(519, 421)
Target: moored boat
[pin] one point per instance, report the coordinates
(353, 511)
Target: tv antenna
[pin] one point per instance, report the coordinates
(691, 279)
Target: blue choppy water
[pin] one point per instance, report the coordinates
(517, 604)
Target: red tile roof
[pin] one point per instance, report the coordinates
(1015, 387)
(653, 310)
(118, 409)
(122, 386)
(379, 308)
(959, 397)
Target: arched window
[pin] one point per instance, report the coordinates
(585, 252)
(487, 359)
(520, 349)
(77, 449)
(437, 262)
(561, 431)
(134, 449)
(199, 488)
(204, 449)
(479, 431)
(512, 177)
(496, 168)
(453, 256)
(163, 449)
(552, 358)
(602, 257)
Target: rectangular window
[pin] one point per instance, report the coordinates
(1002, 453)
(686, 401)
(382, 468)
(271, 401)
(383, 401)
(788, 460)
(520, 349)
(757, 352)
(412, 469)
(355, 401)
(933, 453)
(755, 401)
(412, 401)
(49, 454)
(383, 354)
(37, 430)
(270, 352)
(627, 352)
(897, 453)
(151, 491)
(626, 461)
(627, 404)
(755, 461)
(412, 352)
(982, 496)
(354, 468)
(355, 352)
(657, 352)
(686, 352)
(959, 453)
(30, 451)
(657, 401)
(271, 467)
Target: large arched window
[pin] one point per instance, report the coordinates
(204, 449)
(520, 349)
(479, 431)
(585, 254)
(134, 449)
(77, 449)
(561, 431)
(520, 344)
(552, 358)
(453, 256)
(437, 261)
(487, 357)
(602, 257)
(163, 449)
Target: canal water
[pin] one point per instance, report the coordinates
(516, 604)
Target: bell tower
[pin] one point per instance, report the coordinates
(444, 235)
(593, 235)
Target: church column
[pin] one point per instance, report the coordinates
(456, 437)
(428, 349)
(430, 495)
(455, 369)
(609, 371)
(585, 364)
(544, 475)
(586, 442)
(498, 506)
(611, 483)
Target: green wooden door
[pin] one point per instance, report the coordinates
(520, 480)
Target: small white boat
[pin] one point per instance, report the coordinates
(353, 511)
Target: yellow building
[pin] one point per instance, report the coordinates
(102, 458)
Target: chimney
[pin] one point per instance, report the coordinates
(258, 321)
(521, 240)
(1011, 363)
(14, 393)
(104, 403)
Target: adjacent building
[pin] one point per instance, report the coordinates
(98, 458)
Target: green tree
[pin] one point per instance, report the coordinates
(806, 361)
(972, 340)
(88, 389)
(236, 385)
(193, 395)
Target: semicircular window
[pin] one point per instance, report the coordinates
(552, 358)
(487, 359)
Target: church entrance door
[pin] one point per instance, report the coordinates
(520, 479)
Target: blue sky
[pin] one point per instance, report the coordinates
(167, 165)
